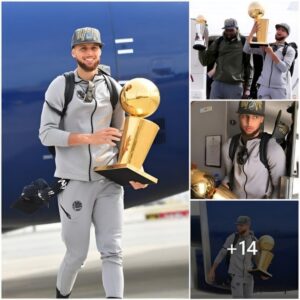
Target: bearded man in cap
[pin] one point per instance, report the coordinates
(254, 161)
(239, 263)
(86, 131)
(275, 78)
(233, 76)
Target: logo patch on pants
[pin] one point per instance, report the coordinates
(77, 205)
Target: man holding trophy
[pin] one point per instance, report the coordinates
(275, 79)
(242, 251)
(84, 138)
(254, 161)
(233, 76)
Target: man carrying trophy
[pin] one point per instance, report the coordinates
(89, 123)
(233, 76)
(254, 161)
(275, 79)
(242, 251)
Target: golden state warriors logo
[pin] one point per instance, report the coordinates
(87, 34)
(255, 106)
(77, 205)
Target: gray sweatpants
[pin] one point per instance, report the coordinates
(242, 287)
(271, 93)
(80, 205)
(222, 90)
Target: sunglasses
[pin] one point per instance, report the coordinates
(242, 156)
(89, 92)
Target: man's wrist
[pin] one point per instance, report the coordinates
(79, 139)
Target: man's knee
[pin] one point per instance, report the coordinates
(75, 260)
(111, 250)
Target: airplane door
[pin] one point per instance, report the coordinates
(289, 185)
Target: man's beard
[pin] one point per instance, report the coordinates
(86, 68)
(241, 232)
(278, 38)
(231, 37)
(248, 136)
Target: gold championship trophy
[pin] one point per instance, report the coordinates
(203, 187)
(199, 43)
(256, 11)
(265, 245)
(139, 98)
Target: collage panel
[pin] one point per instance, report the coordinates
(124, 130)
(95, 151)
(244, 150)
(244, 249)
(247, 52)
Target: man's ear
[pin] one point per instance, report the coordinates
(73, 53)
(262, 119)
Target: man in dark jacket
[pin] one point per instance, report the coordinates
(233, 76)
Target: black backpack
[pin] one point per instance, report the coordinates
(69, 91)
(294, 45)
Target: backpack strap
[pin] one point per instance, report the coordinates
(243, 40)
(114, 95)
(234, 143)
(219, 40)
(284, 50)
(68, 95)
(265, 137)
(69, 90)
(234, 242)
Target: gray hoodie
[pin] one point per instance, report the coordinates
(240, 263)
(273, 75)
(252, 180)
(77, 162)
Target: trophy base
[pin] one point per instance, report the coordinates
(124, 173)
(198, 46)
(258, 273)
(258, 44)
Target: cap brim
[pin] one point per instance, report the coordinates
(230, 27)
(277, 26)
(87, 42)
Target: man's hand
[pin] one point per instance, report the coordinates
(256, 27)
(105, 136)
(138, 185)
(246, 93)
(254, 30)
(211, 275)
(268, 50)
(264, 277)
(226, 185)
